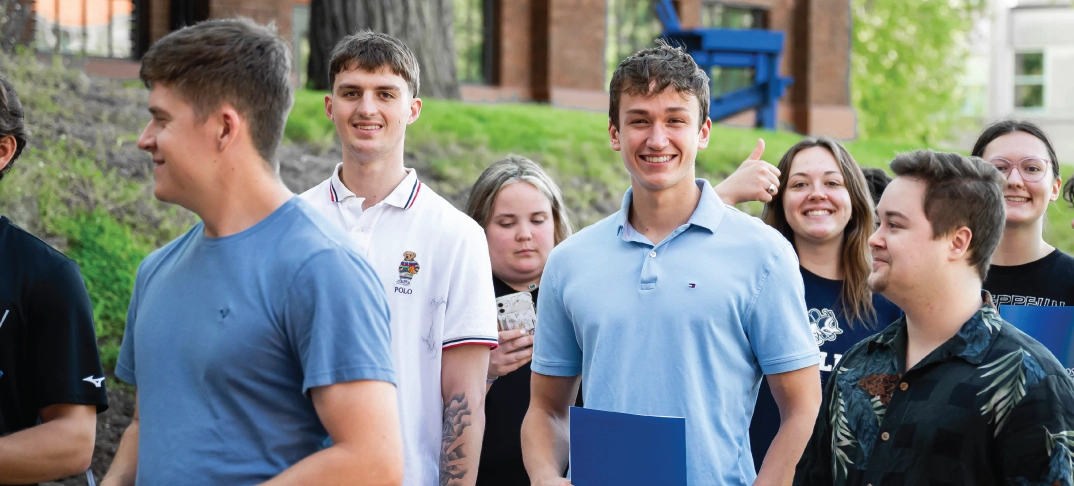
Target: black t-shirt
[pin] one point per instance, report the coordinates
(505, 407)
(1045, 282)
(48, 347)
(834, 336)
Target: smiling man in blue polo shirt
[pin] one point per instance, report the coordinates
(677, 304)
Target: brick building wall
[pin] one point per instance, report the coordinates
(262, 11)
(553, 51)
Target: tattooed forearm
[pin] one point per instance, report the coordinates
(453, 467)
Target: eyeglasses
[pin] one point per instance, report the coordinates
(1032, 169)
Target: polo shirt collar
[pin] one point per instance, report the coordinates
(403, 196)
(708, 214)
(970, 344)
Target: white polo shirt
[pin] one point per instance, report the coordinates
(434, 263)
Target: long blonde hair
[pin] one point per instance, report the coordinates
(856, 259)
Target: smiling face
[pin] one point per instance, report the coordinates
(1026, 201)
(520, 233)
(904, 251)
(180, 146)
(659, 136)
(816, 201)
(371, 110)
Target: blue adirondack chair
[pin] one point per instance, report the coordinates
(738, 48)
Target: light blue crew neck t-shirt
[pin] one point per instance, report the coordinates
(226, 336)
(684, 328)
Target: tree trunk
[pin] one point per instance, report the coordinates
(423, 25)
(15, 23)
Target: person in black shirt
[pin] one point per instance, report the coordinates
(1026, 270)
(824, 208)
(522, 212)
(949, 394)
(51, 380)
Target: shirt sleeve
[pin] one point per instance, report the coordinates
(63, 343)
(1036, 443)
(556, 350)
(470, 310)
(815, 466)
(339, 327)
(778, 323)
(125, 365)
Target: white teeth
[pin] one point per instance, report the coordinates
(368, 127)
(1016, 199)
(657, 160)
(818, 212)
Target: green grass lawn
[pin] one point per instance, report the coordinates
(461, 139)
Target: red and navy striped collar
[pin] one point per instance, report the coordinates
(403, 196)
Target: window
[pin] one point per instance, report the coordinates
(1029, 80)
(300, 41)
(88, 27)
(473, 41)
(729, 16)
(632, 25)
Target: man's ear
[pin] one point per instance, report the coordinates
(614, 134)
(8, 145)
(415, 110)
(230, 126)
(328, 106)
(706, 130)
(959, 243)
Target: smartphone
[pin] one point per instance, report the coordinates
(516, 311)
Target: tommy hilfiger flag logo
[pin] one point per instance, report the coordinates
(692, 285)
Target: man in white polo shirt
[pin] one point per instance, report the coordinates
(432, 259)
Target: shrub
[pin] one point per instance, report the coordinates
(108, 255)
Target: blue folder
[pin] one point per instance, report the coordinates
(1052, 326)
(622, 449)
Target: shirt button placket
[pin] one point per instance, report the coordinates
(648, 272)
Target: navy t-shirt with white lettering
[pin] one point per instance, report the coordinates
(48, 348)
(834, 336)
(1045, 282)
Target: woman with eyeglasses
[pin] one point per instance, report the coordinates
(1025, 269)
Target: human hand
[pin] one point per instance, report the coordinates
(515, 350)
(754, 180)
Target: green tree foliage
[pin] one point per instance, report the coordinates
(908, 59)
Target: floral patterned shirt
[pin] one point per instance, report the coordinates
(989, 406)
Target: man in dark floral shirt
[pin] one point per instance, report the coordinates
(949, 394)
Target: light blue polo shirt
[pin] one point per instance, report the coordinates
(226, 336)
(685, 328)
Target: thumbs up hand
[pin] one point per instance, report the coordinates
(754, 180)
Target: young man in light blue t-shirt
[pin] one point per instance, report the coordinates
(247, 353)
(677, 304)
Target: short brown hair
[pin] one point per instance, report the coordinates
(960, 191)
(12, 120)
(370, 51)
(228, 60)
(651, 71)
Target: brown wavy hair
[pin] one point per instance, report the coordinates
(856, 260)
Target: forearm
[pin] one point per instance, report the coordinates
(787, 447)
(52, 450)
(464, 429)
(342, 465)
(545, 444)
(125, 463)
(728, 194)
